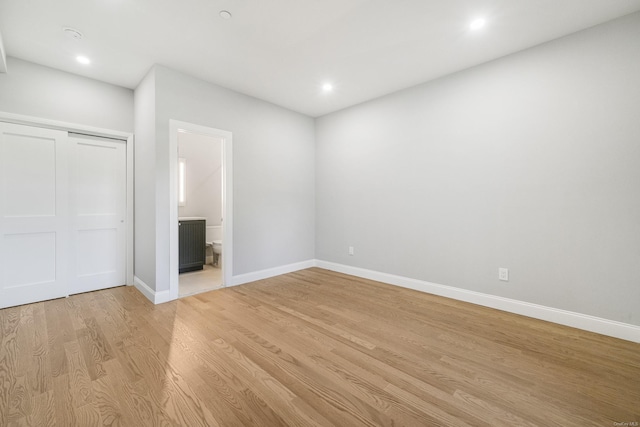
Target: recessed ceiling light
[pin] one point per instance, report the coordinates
(476, 24)
(327, 87)
(225, 14)
(83, 60)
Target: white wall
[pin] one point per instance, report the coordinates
(273, 165)
(530, 162)
(203, 155)
(145, 180)
(35, 90)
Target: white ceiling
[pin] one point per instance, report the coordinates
(283, 51)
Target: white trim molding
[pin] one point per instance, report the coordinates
(21, 119)
(563, 317)
(153, 296)
(271, 272)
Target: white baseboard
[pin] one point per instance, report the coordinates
(153, 296)
(568, 318)
(165, 296)
(271, 272)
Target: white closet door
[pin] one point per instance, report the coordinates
(98, 212)
(33, 214)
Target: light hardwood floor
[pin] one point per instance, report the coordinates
(311, 348)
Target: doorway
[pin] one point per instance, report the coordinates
(201, 209)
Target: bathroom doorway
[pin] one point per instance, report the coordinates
(201, 214)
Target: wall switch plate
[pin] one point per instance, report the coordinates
(503, 274)
(351, 250)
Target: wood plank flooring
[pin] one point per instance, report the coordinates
(311, 348)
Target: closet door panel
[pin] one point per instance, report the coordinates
(33, 214)
(98, 212)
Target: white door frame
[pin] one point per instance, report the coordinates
(92, 131)
(176, 127)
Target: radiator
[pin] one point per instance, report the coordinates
(192, 245)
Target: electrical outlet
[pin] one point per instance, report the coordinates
(503, 274)
(351, 250)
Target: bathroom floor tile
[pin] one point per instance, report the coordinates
(196, 282)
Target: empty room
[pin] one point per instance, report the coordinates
(320, 213)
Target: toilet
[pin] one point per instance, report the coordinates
(214, 241)
(217, 251)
